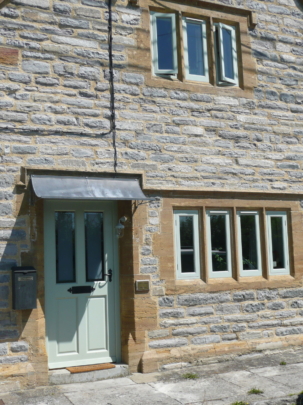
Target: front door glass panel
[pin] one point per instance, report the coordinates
(65, 247)
(94, 246)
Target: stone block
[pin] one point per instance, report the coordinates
(172, 313)
(289, 331)
(3, 349)
(17, 347)
(166, 343)
(254, 307)
(189, 331)
(43, 4)
(203, 299)
(274, 306)
(9, 56)
(291, 293)
(244, 296)
(166, 301)
(155, 334)
(205, 340)
(263, 295)
(13, 359)
(201, 311)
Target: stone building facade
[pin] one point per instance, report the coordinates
(195, 146)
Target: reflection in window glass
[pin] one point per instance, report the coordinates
(94, 245)
(228, 53)
(277, 242)
(165, 43)
(187, 244)
(65, 247)
(195, 49)
(218, 243)
(249, 242)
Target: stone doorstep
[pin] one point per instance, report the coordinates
(63, 376)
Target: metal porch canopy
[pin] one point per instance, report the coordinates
(87, 188)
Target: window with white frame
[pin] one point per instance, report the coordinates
(198, 42)
(187, 244)
(235, 243)
(195, 49)
(218, 237)
(249, 243)
(226, 54)
(164, 47)
(277, 242)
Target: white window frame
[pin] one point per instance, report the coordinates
(195, 215)
(258, 271)
(221, 77)
(228, 272)
(202, 24)
(283, 215)
(154, 43)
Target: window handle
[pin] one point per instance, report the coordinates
(109, 275)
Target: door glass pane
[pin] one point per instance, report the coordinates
(218, 242)
(187, 244)
(65, 247)
(94, 246)
(195, 49)
(228, 53)
(249, 242)
(165, 43)
(277, 242)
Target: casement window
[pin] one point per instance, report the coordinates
(226, 54)
(237, 241)
(218, 238)
(277, 242)
(187, 244)
(195, 49)
(250, 262)
(198, 43)
(164, 45)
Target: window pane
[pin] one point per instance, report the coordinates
(165, 43)
(187, 244)
(218, 242)
(94, 245)
(65, 247)
(277, 242)
(187, 262)
(228, 53)
(195, 49)
(186, 232)
(249, 242)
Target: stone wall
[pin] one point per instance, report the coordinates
(54, 114)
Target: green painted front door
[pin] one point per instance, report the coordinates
(81, 304)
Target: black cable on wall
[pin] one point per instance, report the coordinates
(111, 83)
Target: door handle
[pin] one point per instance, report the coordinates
(109, 275)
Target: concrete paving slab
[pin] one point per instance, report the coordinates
(246, 380)
(141, 394)
(280, 370)
(292, 380)
(199, 390)
(97, 385)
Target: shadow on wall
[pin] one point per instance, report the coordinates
(18, 237)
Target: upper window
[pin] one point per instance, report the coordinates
(164, 43)
(199, 41)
